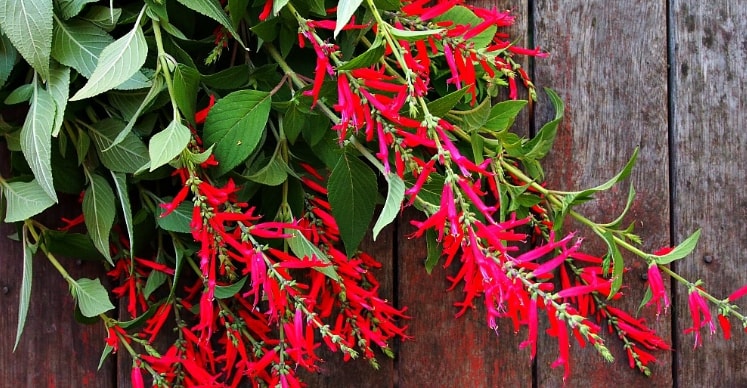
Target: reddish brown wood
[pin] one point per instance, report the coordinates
(446, 351)
(359, 373)
(608, 62)
(55, 350)
(709, 176)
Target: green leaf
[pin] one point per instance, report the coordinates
(70, 8)
(237, 10)
(352, 196)
(503, 114)
(155, 279)
(104, 354)
(91, 296)
(168, 144)
(274, 173)
(105, 18)
(412, 35)
(186, 83)
(129, 156)
(79, 44)
(225, 292)
(646, 298)
(120, 185)
(235, 125)
(585, 195)
(178, 220)
(36, 138)
(441, 106)
(28, 25)
(98, 211)
(303, 248)
(24, 200)
(394, 197)
(616, 223)
(367, 58)
(213, 10)
(73, 245)
(540, 145)
(345, 11)
(20, 94)
(618, 263)
(118, 62)
(8, 56)
(464, 16)
(278, 5)
(142, 318)
(683, 249)
(121, 100)
(24, 297)
(58, 86)
(231, 78)
(434, 250)
(476, 117)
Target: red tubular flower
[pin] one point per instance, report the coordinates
(266, 10)
(700, 314)
(738, 293)
(723, 321)
(658, 292)
(201, 115)
(137, 376)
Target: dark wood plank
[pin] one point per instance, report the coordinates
(446, 351)
(456, 352)
(359, 373)
(55, 350)
(709, 175)
(608, 62)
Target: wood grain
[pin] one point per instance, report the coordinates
(710, 144)
(336, 373)
(55, 350)
(608, 62)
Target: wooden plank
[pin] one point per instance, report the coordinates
(55, 350)
(336, 373)
(446, 351)
(710, 144)
(608, 62)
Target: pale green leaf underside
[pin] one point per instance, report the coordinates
(25, 200)
(28, 24)
(59, 88)
(98, 211)
(168, 144)
(70, 8)
(303, 248)
(120, 186)
(345, 11)
(394, 197)
(118, 62)
(78, 44)
(36, 138)
(24, 298)
(92, 297)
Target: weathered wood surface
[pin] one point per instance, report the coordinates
(610, 64)
(55, 350)
(709, 175)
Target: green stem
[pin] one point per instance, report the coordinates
(164, 66)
